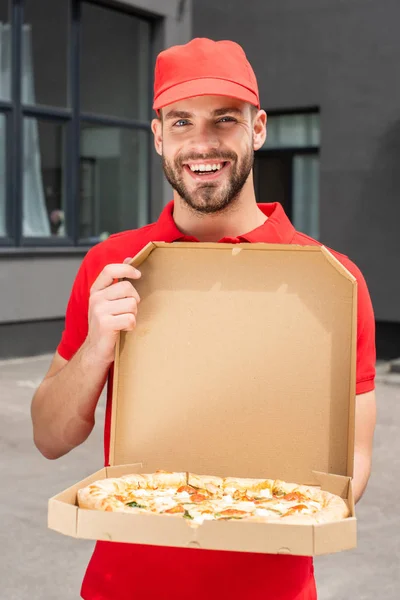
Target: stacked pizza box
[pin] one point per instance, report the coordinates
(242, 365)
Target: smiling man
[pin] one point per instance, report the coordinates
(208, 125)
(212, 180)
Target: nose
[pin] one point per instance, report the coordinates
(204, 139)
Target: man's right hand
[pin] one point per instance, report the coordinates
(113, 306)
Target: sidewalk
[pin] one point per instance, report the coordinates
(39, 564)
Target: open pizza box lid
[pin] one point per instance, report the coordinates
(242, 364)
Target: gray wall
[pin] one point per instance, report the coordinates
(34, 288)
(344, 56)
(35, 285)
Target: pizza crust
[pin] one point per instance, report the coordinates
(165, 479)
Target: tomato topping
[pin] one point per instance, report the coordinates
(232, 512)
(197, 498)
(293, 496)
(187, 488)
(294, 509)
(175, 509)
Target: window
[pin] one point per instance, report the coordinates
(112, 164)
(74, 121)
(5, 96)
(287, 167)
(2, 174)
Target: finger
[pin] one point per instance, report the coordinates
(121, 289)
(122, 306)
(128, 260)
(112, 272)
(125, 322)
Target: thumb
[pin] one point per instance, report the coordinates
(128, 260)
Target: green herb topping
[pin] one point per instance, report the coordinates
(134, 504)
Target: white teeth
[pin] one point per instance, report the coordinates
(216, 167)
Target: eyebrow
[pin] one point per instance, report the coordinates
(182, 114)
(178, 114)
(233, 110)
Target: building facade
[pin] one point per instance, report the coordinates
(76, 155)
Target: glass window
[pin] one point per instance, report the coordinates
(44, 52)
(3, 228)
(287, 169)
(293, 131)
(306, 194)
(115, 63)
(113, 182)
(98, 141)
(43, 177)
(5, 51)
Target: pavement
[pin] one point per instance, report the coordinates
(37, 563)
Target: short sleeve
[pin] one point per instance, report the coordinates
(76, 318)
(366, 349)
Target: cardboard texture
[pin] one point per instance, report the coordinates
(242, 364)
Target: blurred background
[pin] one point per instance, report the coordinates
(77, 164)
(76, 155)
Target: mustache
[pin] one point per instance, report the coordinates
(219, 156)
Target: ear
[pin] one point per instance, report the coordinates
(156, 127)
(259, 129)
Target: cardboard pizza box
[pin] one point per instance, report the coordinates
(242, 364)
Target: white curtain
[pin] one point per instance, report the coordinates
(4, 95)
(35, 218)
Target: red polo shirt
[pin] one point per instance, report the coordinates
(131, 571)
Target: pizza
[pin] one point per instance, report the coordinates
(198, 498)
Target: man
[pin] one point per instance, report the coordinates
(209, 125)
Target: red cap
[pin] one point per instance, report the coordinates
(202, 68)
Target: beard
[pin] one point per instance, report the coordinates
(210, 197)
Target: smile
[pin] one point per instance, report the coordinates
(208, 171)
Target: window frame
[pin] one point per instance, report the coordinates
(71, 118)
(291, 151)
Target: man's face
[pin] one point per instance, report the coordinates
(207, 150)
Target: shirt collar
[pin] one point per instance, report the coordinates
(277, 229)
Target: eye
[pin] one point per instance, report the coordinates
(226, 120)
(181, 123)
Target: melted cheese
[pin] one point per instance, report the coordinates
(264, 493)
(200, 518)
(164, 503)
(246, 506)
(264, 512)
(227, 499)
(182, 495)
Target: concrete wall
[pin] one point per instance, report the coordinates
(34, 288)
(35, 285)
(344, 56)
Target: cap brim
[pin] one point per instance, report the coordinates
(205, 87)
